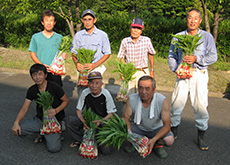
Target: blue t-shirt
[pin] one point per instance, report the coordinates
(45, 48)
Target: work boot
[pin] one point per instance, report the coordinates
(201, 142)
(160, 152)
(174, 131)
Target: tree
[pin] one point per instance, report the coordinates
(220, 11)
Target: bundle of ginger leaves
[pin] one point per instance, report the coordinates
(85, 56)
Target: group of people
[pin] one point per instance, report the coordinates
(154, 117)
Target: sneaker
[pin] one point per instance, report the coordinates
(129, 148)
(160, 152)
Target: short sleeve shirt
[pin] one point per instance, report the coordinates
(101, 104)
(136, 53)
(45, 48)
(97, 40)
(55, 90)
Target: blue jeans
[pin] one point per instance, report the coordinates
(53, 141)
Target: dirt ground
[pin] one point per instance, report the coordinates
(12, 60)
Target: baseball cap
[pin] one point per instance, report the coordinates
(94, 75)
(88, 11)
(137, 22)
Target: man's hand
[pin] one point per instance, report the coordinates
(98, 122)
(150, 145)
(85, 126)
(16, 129)
(190, 59)
(64, 55)
(47, 67)
(90, 66)
(80, 67)
(51, 113)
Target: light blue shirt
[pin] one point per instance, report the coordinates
(45, 48)
(97, 40)
(206, 53)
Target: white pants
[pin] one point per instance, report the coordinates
(197, 87)
(133, 85)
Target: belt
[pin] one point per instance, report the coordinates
(142, 69)
(201, 71)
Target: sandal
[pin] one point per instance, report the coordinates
(74, 144)
(39, 139)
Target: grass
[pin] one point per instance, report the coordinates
(218, 79)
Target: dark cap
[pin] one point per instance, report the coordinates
(94, 75)
(88, 11)
(137, 22)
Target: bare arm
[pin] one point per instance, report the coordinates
(165, 116)
(127, 114)
(16, 129)
(151, 60)
(80, 116)
(34, 57)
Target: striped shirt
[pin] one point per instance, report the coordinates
(206, 53)
(136, 53)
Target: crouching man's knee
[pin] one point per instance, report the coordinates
(53, 142)
(169, 140)
(54, 149)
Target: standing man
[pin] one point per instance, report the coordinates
(137, 49)
(44, 45)
(38, 73)
(197, 86)
(101, 103)
(94, 39)
(151, 116)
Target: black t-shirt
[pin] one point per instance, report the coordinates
(101, 104)
(55, 90)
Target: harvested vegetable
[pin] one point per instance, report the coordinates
(188, 44)
(88, 147)
(84, 56)
(126, 73)
(49, 125)
(115, 132)
(57, 67)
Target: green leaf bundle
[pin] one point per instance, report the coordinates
(85, 56)
(126, 70)
(45, 100)
(66, 43)
(187, 43)
(114, 132)
(90, 117)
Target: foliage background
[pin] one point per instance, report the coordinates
(20, 19)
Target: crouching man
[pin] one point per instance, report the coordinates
(151, 116)
(101, 103)
(38, 73)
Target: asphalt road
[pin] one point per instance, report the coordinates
(21, 150)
